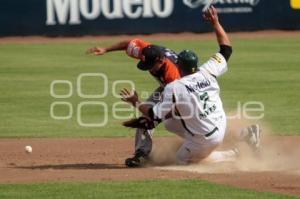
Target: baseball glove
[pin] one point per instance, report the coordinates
(141, 123)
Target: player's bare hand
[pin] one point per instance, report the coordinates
(130, 97)
(211, 15)
(96, 51)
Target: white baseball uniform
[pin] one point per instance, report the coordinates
(197, 110)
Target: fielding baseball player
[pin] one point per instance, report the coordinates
(160, 62)
(191, 107)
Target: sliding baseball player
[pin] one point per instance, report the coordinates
(192, 107)
(160, 62)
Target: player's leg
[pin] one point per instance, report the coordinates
(251, 135)
(191, 152)
(175, 126)
(222, 156)
(143, 141)
(143, 137)
(196, 148)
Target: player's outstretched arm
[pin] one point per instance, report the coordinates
(102, 50)
(211, 15)
(222, 37)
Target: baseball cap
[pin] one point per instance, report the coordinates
(150, 54)
(187, 60)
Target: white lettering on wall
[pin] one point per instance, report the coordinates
(112, 12)
(165, 10)
(73, 11)
(133, 8)
(91, 12)
(62, 9)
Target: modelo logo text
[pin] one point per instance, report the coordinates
(73, 11)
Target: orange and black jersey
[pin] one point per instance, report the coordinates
(135, 47)
(168, 72)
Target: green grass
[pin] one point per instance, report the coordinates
(148, 189)
(265, 70)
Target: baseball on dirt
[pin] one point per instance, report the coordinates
(28, 149)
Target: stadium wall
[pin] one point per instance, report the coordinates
(99, 17)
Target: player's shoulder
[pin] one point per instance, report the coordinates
(135, 47)
(216, 65)
(175, 85)
(171, 85)
(218, 58)
(169, 63)
(170, 67)
(170, 71)
(139, 41)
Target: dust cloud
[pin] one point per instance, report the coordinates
(277, 153)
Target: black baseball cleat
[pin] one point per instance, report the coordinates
(133, 162)
(138, 160)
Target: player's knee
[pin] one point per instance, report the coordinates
(183, 156)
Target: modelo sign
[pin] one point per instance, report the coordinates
(73, 11)
(94, 17)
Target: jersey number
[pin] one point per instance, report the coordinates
(204, 98)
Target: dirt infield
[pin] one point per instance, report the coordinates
(102, 160)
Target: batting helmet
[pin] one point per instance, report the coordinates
(187, 61)
(151, 54)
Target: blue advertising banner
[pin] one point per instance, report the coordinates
(98, 17)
